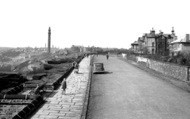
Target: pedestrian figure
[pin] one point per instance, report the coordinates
(107, 56)
(76, 67)
(64, 86)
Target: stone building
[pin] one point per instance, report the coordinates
(138, 46)
(153, 43)
(135, 47)
(163, 42)
(180, 45)
(150, 40)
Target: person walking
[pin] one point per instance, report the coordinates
(76, 67)
(107, 56)
(64, 86)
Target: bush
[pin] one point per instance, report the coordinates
(184, 58)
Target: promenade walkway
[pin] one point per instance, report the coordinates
(131, 93)
(69, 106)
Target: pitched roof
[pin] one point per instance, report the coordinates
(135, 43)
(182, 41)
(141, 39)
(176, 41)
(150, 35)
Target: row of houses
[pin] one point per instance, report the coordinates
(161, 43)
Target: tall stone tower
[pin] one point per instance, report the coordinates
(49, 40)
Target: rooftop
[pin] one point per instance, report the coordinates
(135, 43)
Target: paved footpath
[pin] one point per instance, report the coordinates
(131, 93)
(69, 106)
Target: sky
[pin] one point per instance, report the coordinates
(100, 23)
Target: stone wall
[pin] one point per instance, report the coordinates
(173, 70)
(176, 71)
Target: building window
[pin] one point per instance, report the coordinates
(152, 44)
(152, 51)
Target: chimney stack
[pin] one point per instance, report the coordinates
(187, 38)
(49, 40)
(161, 33)
(152, 31)
(173, 32)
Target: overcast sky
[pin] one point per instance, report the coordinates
(103, 23)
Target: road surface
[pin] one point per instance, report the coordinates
(131, 93)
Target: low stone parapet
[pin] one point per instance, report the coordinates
(74, 102)
(176, 71)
